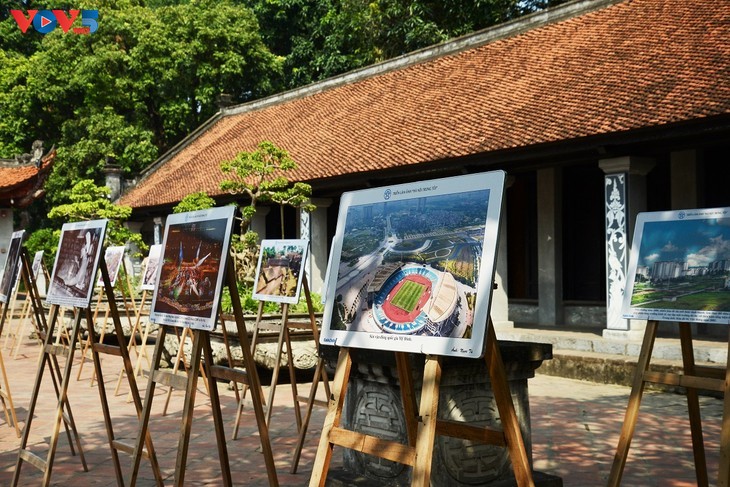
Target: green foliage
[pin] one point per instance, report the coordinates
(145, 79)
(259, 175)
(91, 202)
(193, 202)
(323, 38)
(45, 239)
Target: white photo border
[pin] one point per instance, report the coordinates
(492, 183)
(206, 323)
(678, 219)
(56, 294)
(303, 245)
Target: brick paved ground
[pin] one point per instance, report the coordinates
(575, 424)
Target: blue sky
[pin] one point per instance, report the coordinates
(697, 242)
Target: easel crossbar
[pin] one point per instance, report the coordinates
(689, 381)
(169, 379)
(481, 434)
(372, 445)
(226, 373)
(33, 459)
(128, 449)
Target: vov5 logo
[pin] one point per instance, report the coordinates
(45, 21)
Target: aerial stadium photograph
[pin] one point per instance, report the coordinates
(409, 266)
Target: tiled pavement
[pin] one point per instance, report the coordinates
(575, 426)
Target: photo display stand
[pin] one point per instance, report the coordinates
(71, 285)
(412, 271)
(28, 314)
(190, 281)
(9, 281)
(678, 273)
(147, 285)
(75, 296)
(280, 277)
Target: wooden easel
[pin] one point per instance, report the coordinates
(6, 398)
(695, 378)
(121, 350)
(107, 312)
(49, 355)
(201, 346)
(21, 329)
(423, 428)
(284, 338)
(133, 341)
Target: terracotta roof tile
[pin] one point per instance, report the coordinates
(631, 65)
(11, 177)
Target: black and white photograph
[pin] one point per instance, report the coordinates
(77, 261)
(12, 265)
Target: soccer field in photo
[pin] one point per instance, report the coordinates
(408, 295)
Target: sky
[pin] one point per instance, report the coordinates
(697, 242)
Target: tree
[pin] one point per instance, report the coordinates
(91, 202)
(193, 202)
(128, 92)
(260, 176)
(323, 38)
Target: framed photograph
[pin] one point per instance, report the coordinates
(113, 257)
(412, 266)
(680, 267)
(280, 270)
(12, 266)
(150, 270)
(190, 275)
(77, 260)
(37, 263)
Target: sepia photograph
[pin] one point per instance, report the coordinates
(280, 270)
(150, 270)
(77, 260)
(12, 266)
(194, 256)
(113, 257)
(412, 266)
(681, 271)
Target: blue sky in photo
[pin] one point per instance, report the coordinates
(698, 242)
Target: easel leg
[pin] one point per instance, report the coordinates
(144, 418)
(693, 406)
(189, 405)
(723, 479)
(427, 429)
(334, 415)
(307, 416)
(505, 406)
(216, 412)
(6, 394)
(104, 403)
(632, 410)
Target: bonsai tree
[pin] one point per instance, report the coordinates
(260, 176)
(91, 202)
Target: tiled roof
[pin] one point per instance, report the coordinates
(626, 66)
(21, 183)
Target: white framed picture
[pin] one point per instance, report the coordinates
(77, 261)
(190, 274)
(150, 270)
(280, 270)
(12, 266)
(412, 266)
(679, 267)
(113, 257)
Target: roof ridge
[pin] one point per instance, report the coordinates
(452, 46)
